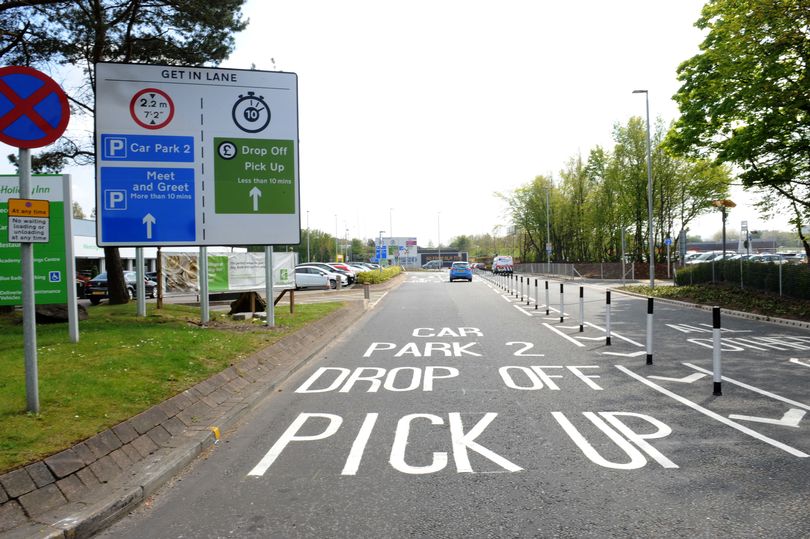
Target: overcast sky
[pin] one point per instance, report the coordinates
(413, 114)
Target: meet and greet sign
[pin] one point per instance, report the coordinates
(51, 277)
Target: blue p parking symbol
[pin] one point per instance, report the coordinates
(114, 147)
(115, 199)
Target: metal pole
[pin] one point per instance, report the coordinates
(28, 297)
(439, 238)
(270, 320)
(140, 289)
(649, 331)
(202, 262)
(547, 303)
(548, 234)
(581, 309)
(536, 295)
(717, 374)
(607, 317)
(308, 258)
(562, 303)
(623, 269)
(649, 191)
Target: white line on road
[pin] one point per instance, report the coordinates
(713, 415)
(752, 388)
(560, 333)
(519, 308)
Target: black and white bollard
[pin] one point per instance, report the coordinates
(717, 374)
(547, 305)
(581, 309)
(536, 295)
(521, 288)
(562, 304)
(607, 318)
(649, 331)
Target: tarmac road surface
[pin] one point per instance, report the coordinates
(462, 410)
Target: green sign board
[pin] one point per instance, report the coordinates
(254, 176)
(51, 275)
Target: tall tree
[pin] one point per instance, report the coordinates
(745, 97)
(76, 34)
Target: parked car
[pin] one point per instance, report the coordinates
(708, 256)
(346, 270)
(97, 287)
(334, 275)
(311, 277)
(768, 258)
(460, 270)
(358, 268)
(433, 264)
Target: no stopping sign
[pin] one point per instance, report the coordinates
(34, 110)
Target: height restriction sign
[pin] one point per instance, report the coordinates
(196, 156)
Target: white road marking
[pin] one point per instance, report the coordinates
(521, 309)
(715, 416)
(621, 354)
(694, 377)
(792, 418)
(560, 333)
(752, 388)
(614, 334)
(799, 361)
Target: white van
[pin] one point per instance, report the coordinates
(502, 264)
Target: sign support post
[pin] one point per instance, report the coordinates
(202, 278)
(268, 283)
(29, 304)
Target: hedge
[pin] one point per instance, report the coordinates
(795, 278)
(377, 276)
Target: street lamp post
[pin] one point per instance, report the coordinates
(308, 259)
(649, 191)
(548, 236)
(439, 236)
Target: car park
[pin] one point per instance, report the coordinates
(461, 271)
(97, 289)
(311, 277)
(334, 275)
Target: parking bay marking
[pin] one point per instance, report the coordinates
(713, 415)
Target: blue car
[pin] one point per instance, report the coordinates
(460, 270)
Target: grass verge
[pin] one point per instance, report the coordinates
(732, 298)
(122, 365)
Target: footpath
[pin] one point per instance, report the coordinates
(83, 489)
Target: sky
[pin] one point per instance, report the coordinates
(413, 115)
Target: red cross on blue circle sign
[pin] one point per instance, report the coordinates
(33, 109)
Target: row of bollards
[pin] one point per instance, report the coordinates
(514, 285)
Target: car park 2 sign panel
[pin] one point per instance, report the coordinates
(196, 156)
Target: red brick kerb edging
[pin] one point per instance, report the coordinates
(83, 489)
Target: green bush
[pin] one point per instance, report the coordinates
(377, 276)
(764, 276)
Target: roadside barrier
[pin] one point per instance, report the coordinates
(581, 309)
(716, 358)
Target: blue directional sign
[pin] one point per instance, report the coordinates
(149, 148)
(147, 205)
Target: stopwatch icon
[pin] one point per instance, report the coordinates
(250, 113)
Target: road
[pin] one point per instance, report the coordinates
(459, 410)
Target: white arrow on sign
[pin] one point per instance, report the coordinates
(791, 418)
(148, 220)
(255, 193)
(797, 361)
(694, 377)
(630, 354)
